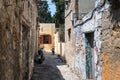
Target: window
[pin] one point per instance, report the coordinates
(69, 34)
(67, 3)
(45, 39)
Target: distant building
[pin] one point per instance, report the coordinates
(46, 37)
(59, 41)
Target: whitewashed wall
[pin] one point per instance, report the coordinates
(93, 25)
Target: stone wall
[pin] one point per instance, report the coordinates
(69, 35)
(69, 43)
(16, 47)
(111, 45)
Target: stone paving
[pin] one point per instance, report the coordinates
(53, 69)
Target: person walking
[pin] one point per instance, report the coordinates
(53, 51)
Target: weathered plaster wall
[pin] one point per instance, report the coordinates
(16, 50)
(80, 53)
(110, 45)
(80, 57)
(93, 25)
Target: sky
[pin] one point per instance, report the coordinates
(51, 7)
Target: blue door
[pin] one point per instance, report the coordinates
(89, 52)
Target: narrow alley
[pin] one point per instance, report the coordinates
(53, 69)
(59, 39)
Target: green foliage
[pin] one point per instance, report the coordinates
(115, 4)
(59, 15)
(44, 15)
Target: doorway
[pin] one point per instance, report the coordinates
(89, 55)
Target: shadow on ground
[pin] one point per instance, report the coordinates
(48, 70)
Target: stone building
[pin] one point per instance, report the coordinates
(46, 36)
(18, 33)
(74, 11)
(69, 36)
(96, 38)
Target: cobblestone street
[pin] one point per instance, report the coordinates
(53, 69)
